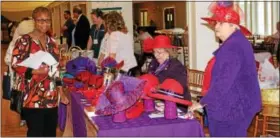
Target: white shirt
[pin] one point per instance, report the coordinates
(121, 44)
(144, 36)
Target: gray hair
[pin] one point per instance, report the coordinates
(235, 26)
(173, 53)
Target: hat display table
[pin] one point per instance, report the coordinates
(141, 126)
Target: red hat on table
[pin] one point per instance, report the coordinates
(151, 83)
(170, 90)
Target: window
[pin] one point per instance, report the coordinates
(260, 17)
(143, 18)
(260, 20)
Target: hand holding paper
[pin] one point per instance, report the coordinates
(42, 70)
(35, 62)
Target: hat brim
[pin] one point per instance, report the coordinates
(135, 111)
(243, 29)
(169, 98)
(104, 107)
(164, 46)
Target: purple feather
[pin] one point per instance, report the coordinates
(225, 3)
(108, 62)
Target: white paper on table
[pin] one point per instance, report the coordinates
(90, 114)
(156, 114)
(35, 60)
(160, 106)
(160, 114)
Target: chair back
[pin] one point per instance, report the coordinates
(195, 83)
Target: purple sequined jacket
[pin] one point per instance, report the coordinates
(234, 91)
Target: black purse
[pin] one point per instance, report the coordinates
(16, 100)
(6, 85)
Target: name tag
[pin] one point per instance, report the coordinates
(95, 41)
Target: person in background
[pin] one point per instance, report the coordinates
(11, 28)
(141, 59)
(81, 31)
(68, 27)
(104, 41)
(135, 28)
(14, 25)
(97, 32)
(143, 34)
(25, 26)
(233, 96)
(275, 38)
(165, 65)
(41, 91)
(152, 23)
(119, 43)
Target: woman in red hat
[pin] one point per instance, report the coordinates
(233, 97)
(167, 66)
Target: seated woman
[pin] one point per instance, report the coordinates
(167, 66)
(117, 42)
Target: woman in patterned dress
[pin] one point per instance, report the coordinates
(41, 91)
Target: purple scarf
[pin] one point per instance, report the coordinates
(161, 67)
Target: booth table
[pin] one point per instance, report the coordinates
(141, 126)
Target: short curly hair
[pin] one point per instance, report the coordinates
(40, 9)
(115, 22)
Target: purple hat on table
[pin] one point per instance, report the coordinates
(79, 64)
(120, 95)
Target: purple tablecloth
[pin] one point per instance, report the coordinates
(78, 116)
(142, 126)
(62, 113)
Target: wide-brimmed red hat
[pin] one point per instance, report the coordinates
(151, 83)
(229, 15)
(162, 41)
(170, 90)
(90, 79)
(135, 111)
(89, 94)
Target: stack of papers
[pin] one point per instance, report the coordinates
(90, 114)
(159, 114)
(34, 61)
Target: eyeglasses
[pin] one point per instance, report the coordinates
(158, 52)
(41, 21)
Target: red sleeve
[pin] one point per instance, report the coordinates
(207, 77)
(20, 53)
